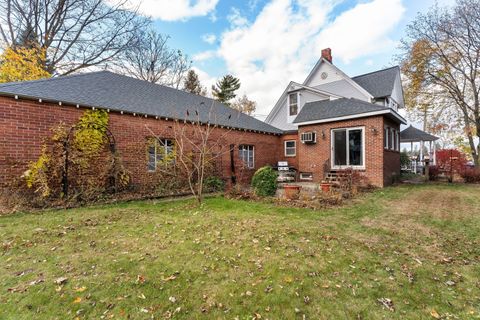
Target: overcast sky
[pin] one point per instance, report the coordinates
(267, 43)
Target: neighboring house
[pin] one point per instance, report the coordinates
(332, 122)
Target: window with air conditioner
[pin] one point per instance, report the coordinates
(308, 137)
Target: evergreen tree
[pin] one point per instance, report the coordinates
(224, 90)
(192, 84)
(27, 38)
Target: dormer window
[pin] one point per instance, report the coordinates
(293, 104)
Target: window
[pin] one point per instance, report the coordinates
(308, 137)
(397, 139)
(293, 104)
(160, 151)
(348, 147)
(385, 137)
(246, 153)
(306, 176)
(290, 148)
(392, 139)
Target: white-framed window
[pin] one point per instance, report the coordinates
(392, 139)
(306, 176)
(160, 151)
(385, 137)
(397, 140)
(290, 148)
(246, 153)
(293, 104)
(348, 148)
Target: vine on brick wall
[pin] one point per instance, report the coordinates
(94, 166)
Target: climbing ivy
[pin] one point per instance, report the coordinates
(90, 134)
(92, 169)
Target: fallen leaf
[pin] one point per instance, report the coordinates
(387, 303)
(81, 289)
(77, 300)
(434, 314)
(61, 280)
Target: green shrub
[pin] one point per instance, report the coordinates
(404, 159)
(264, 182)
(214, 184)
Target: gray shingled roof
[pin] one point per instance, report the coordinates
(379, 83)
(121, 93)
(412, 134)
(327, 109)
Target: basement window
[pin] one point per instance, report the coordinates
(306, 176)
(246, 153)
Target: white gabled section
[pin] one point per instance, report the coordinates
(325, 72)
(279, 116)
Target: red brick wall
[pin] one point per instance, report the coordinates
(25, 125)
(315, 158)
(292, 161)
(391, 166)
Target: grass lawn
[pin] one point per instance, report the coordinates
(417, 246)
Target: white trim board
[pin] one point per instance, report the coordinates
(354, 116)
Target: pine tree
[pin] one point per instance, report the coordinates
(192, 84)
(28, 38)
(224, 90)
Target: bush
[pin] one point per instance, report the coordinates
(405, 159)
(471, 175)
(445, 162)
(214, 184)
(433, 173)
(264, 181)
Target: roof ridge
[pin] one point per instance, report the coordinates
(61, 77)
(377, 71)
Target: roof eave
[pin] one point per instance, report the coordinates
(354, 116)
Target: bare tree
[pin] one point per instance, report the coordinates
(244, 105)
(151, 59)
(76, 34)
(199, 144)
(442, 59)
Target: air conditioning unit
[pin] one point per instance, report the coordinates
(308, 137)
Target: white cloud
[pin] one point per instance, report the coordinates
(205, 79)
(363, 30)
(172, 10)
(236, 19)
(204, 55)
(209, 38)
(287, 36)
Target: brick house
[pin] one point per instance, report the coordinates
(333, 122)
(328, 123)
(29, 110)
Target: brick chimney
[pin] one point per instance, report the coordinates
(327, 54)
